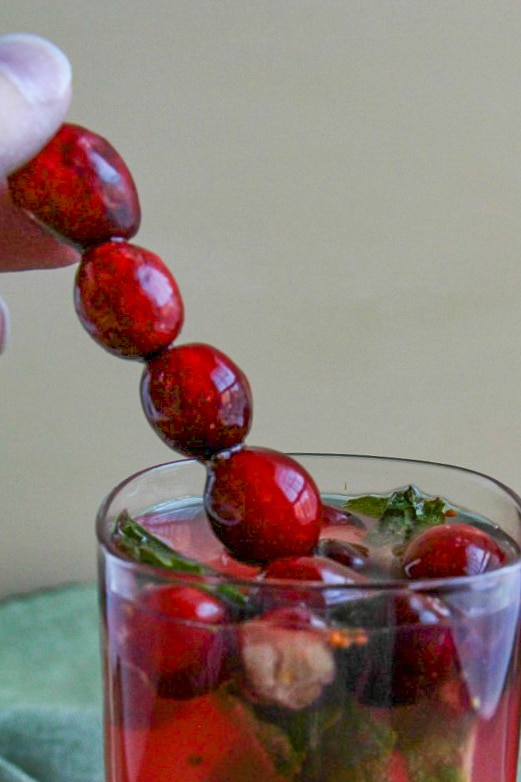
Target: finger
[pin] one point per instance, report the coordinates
(26, 244)
(35, 93)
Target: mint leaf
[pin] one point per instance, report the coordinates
(337, 740)
(372, 505)
(140, 545)
(436, 748)
(357, 747)
(286, 760)
(401, 514)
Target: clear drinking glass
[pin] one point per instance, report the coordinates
(334, 683)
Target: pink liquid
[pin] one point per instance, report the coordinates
(378, 715)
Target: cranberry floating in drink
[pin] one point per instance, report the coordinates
(352, 555)
(450, 550)
(308, 576)
(174, 637)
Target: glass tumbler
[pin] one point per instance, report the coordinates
(215, 674)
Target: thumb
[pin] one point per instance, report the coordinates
(35, 93)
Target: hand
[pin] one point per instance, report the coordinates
(35, 93)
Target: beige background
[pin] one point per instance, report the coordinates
(337, 187)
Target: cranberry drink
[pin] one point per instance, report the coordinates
(265, 616)
(340, 665)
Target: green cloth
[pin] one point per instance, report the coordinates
(50, 687)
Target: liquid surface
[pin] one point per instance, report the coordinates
(186, 528)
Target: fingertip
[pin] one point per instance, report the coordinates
(37, 67)
(27, 244)
(35, 92)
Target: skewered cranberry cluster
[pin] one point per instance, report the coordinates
(261, 503)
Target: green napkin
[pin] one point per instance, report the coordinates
(50, 687)
(48, 745)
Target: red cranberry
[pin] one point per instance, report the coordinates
(451, 550)
(411, 652)
(262, 505)
(80, 186)
(196, 399)
(351, 555)
(424, 654)
(315, 569)
(127, 299)
(178, 636)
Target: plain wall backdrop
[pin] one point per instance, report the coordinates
(336, 186)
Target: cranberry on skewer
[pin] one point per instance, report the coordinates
(197, 399)
(79, 186)
(127, 300)
(262, 505)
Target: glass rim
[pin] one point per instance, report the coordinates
(440, 585)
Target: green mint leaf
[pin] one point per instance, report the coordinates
(338, 740)
(357, 747)
(435, 750)
(401, 514)
(140, 545)
(372, 505)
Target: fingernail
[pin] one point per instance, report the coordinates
(4, 325)
(39, 70)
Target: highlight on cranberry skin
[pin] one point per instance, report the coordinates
(262, 505)
(80, 186)
(197, 399)
(127, 300)
(448, 550)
